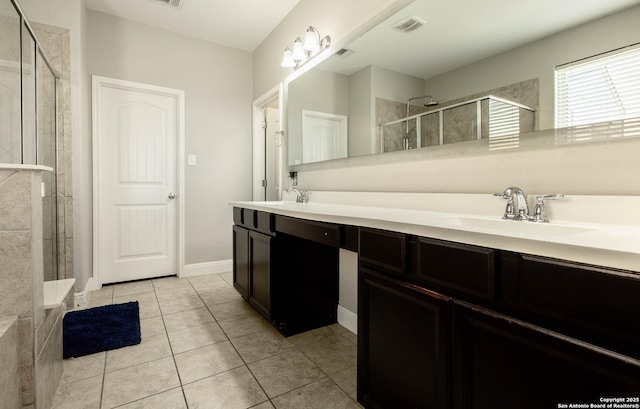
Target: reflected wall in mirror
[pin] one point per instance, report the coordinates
(10, 145)
(486, 62)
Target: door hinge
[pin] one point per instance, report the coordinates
(264, 125)
(264, 182)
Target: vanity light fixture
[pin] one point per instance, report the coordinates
(304, 51)
(299, 53)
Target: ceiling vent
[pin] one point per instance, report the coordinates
(409, 24)
(173, 3)
(344, 52)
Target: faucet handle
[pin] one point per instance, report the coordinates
(554, 196)
(539, 212)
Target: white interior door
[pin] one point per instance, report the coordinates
(136, 132)
(268, 145)
(271, 153)
(324, 136)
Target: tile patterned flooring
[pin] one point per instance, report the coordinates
(204, 347)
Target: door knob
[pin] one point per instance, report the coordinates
(172, 195)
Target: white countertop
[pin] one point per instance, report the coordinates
(570, 236)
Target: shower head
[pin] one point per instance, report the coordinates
(430, 103)
(422, 97)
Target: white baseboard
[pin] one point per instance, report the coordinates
(212, 267)
(348, 319)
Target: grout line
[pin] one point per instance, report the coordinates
(173, 355)
(104, 367)
(104, 374)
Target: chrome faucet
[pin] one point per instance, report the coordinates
(518, 208)
(301, 195)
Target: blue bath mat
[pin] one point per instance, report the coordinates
(100, 329)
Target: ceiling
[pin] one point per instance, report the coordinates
(457, 32)
(460, 32)
(241, 24)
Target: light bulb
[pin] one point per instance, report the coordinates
(298, 53)
(312, 39)
(287, 60)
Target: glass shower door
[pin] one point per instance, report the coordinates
(47, 156)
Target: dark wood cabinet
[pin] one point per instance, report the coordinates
(260, 272)
(459, 269)
(451, 325)
(403, 344)
(252, 257)
(500, 363)
(596, 304)
(287, 269)
(241, 261)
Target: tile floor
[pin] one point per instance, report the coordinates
(204, 347)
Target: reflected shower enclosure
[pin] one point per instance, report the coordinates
(488, 117)
(28, 118)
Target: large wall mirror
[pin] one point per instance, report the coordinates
(470, 71)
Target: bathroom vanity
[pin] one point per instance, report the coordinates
(455, 310)
(287, 268)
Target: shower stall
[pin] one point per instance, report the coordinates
(487, 117)
(29, 118)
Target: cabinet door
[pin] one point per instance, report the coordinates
(260, 272)
(241, 261)
(403, 344)
(503, 363)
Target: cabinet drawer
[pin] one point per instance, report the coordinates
(264, 222)
(384, 249)
(325, 233)
(465, 268)
(603, 301)
(254, 220)
(245, 217)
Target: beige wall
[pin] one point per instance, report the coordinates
(217, 85)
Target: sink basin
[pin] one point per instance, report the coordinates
(521, 228)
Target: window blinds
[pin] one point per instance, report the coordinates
(504, 125)
(599, 89)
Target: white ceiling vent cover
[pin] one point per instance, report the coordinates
(344, 52)
(174, 3)
(409, 24)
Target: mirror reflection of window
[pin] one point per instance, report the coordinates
(598, 89)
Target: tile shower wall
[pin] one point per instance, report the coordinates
(459, 122)
(21, 292)
(9, 375)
